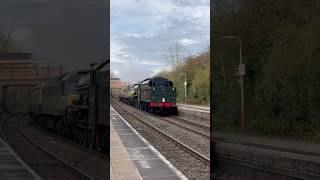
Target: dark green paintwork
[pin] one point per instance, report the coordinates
(156, 94)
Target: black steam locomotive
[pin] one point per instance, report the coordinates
(157, 95)
(75, 105)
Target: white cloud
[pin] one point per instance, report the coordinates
(150, 62)
(156, 71)
(117, 52)
(187, 42)
(135, 35)
(116, 72)
(139, 35)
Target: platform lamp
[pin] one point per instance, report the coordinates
(241, 74)
(185, 86)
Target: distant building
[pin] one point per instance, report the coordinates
(116, 83)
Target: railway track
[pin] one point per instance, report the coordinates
(196, 113)
(194, 108)
(195, 122)
(175, 151)
(196, 128)
(40, 159)
(263, 158)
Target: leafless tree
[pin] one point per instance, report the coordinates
(177, 54)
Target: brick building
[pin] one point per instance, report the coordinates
(116, 83)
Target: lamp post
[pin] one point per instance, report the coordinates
(242, 73)
(185, 86)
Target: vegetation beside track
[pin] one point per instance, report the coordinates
(280, 47)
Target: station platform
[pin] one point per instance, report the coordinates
(12, 167)
(284, 145)
(205, 109)
(132, 157)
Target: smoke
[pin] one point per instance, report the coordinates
(74, 33)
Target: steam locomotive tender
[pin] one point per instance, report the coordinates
(75, 105)
(155, 95)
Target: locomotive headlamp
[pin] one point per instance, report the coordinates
(172, 89)
(163, 99)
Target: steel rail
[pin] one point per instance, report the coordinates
(187, 128)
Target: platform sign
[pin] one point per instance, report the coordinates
(236, 71)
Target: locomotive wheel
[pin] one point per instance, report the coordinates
(148, 107)
(60, 126)
(174, 111)
(50, 123)
(98, 142)
(86, 138)
(78, 137)
(101, 144)
(82, 137)
(44, 121)
(41, 120)
(91, 140)
(47, 122)
(64, 126)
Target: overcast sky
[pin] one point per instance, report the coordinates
(143, 30)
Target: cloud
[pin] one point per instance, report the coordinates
(139, 35)
(117, 53)
(142, 32)
(150, 62)
(156, 71)
(116, 72)
(187, 42)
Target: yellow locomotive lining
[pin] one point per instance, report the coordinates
(71, 98)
